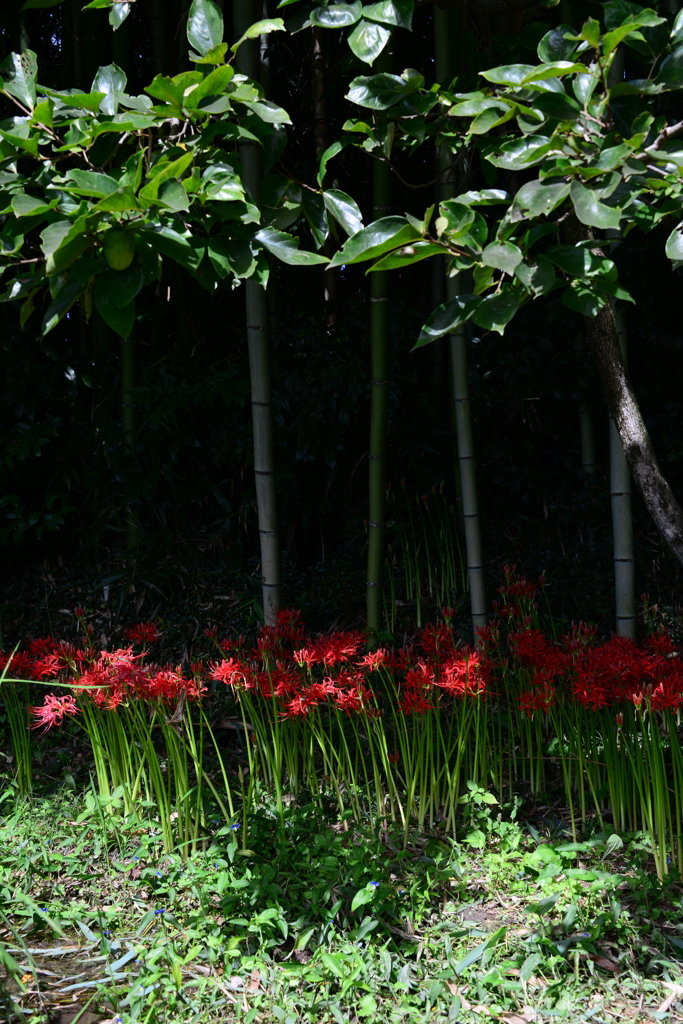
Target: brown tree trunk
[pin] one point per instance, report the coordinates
(603, 340)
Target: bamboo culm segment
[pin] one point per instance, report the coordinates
(378, 417)
(468, 475)
(622, 520)
(259, 364)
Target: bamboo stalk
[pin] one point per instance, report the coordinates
(259, 364)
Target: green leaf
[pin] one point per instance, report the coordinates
(478, 952)
(330, 152)
(485, 197)
(553, 46)
(502, 256)
(172, 169)
(120, 320)
(260, 28)
(408, 255)
(118, 13)
(110, 80)
(391, 12)
(591, 33)
(368, 40)
(172, 244)
(118, 202)
(375, 240)
(554, 70)
(671, 70)
(266, 111)
(590, 210)
(447, 317)
(344, 209)
(362, 897)
(28, 206)
(92, 183)
(216, 55)
(616, 12)
(336, 15)
(61, 306)
(518, 154)
(122, 286)
(508, 74)
(230, 256)
(674, 244)
(18, 77)
(538, 278)
(583, 298)
(496, 311)
(204, 26)
(173, 195)
(378, 92)
(539, 198)
(286, 248)
(316, 216)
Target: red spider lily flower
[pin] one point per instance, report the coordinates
(619, 719)
(374, 660)
(47, 667)
(537, 699)
(308, 656)
(661, 643)
(233, 673)
(413, 702)
(637, 699)
(668, 696)
(298, 706)
(465, 674)
(144, 633)
(53, 711)
(436, 641)
(419, 678)
(394, 757)
(338, 648)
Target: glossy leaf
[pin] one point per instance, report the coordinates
(553, 46)
(204, 26)
(518, 154)
(447, 317)
(502, 256)
(118, 13)
(92, 183)
(408, 255)
(173, 196)
(171, 243)
(554, 70)
(316, 217)
(375, 240)
(260, 28)
(590, 210)
(368, 40)
(18, 77)
(378, 92)
(583, 298)
(674, 244)
(24, 205)
(538, 278)
(286, 248)
(336, 15)
(508, 74)
(110, 80)
(344, 209)
(539, 198)
(391, 12)
(496, 311)
(61, 306)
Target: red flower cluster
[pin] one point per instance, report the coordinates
(53, 710)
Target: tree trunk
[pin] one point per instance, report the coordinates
(603, 340)
(378, 415)
(622, 520)
(259, 364)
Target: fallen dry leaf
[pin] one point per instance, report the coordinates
(255, 981)
(526, 1016)
(602, 961)
(676, 991)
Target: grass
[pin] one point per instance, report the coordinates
(321, 921)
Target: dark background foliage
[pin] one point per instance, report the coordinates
(64, 481)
